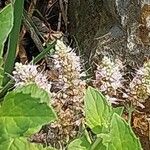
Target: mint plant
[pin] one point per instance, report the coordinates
(23, 112)
(111, 130)
(69, 110)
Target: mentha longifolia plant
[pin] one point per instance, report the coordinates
(68, 89)
(27, 74)
(109, 79)
(68, 100)
(140, 84)
(67, 92)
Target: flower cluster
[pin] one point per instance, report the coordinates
(67, 90)
(68, 100)
(26, 74)
(109, 78)
(140, 85)
(110, 81)
(68, 65)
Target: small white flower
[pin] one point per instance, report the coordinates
(70, 90)
(109, 78)
(111, 100)
(109, 75)
(104, 87)
(26, 74)
(125, 95)
(140, 85)
(115, 85)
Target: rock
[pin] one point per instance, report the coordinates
(109, 27)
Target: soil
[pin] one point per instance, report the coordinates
(141, 125)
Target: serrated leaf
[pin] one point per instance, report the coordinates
(35, 92)
(79, 144)
(118, 110)
(22, 114)
(6, 24)
(97, 110)
(121, 136)
(21, 144)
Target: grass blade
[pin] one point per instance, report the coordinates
(13, 39)
(49, 49)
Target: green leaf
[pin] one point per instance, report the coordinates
(98, 145)
(49, 49)
(21, 144)
(13, 38)
(35, 92)
(121, 136)
(118, 110)
(79, 144)
(6, 24)
(97, 110)
(21, 114)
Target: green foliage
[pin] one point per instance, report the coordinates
(20, 144)
(35, 92)
(120, 136)
(6, 24)
(112, 131)
(79, 144)
(118, 110)
(49, 49)
(25, 109)
(97, 110)
(13, 38)
(21, 114)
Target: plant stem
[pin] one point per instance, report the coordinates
(130, 111)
